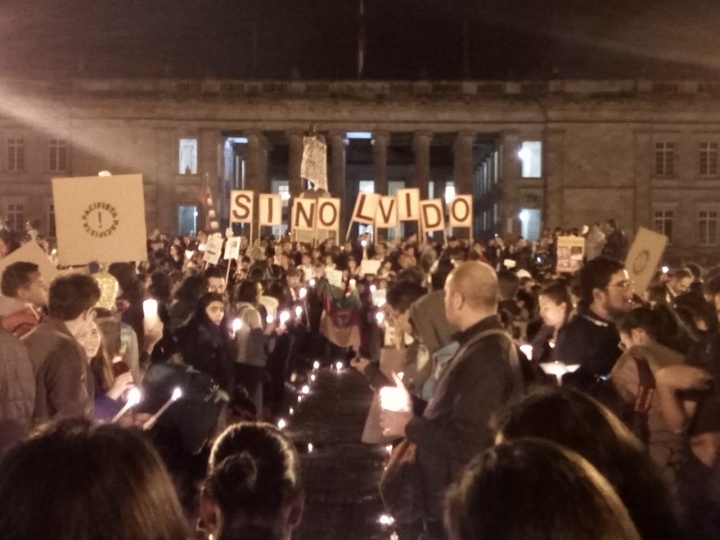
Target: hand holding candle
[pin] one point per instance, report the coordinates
(134, 397)
(396, 407)
(150, 311)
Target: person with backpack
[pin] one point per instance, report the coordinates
(481, 377)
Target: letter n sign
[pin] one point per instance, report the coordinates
(241, 206)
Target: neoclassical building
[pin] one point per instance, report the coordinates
(533, 154)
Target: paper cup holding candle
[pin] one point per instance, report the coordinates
(177, 394)
(527, 350)
(134, 397)
(395, 398)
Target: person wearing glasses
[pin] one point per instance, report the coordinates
(591, 337)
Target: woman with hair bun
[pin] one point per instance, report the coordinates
(253, 489)
(532, 488)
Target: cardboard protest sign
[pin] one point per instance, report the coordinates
(241, 206)
(432, 215)
(334, 277)
(365, 207)
(570, 253)
(32, 253)
(232, 248)
(328, 214)
(386, 215)
(303, 214)
(408, 202)
(369, 267)
(270, 210)
(644, 256)
(314, 162)
(213, 249)
(460, 211)
(100, 219)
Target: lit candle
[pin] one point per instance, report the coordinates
(150, 311)
(298, 312)
(305, 390)
(134, 397)
(352, 282)
(282, 424)
(316, 365)
(201, 247)
(388, 448)
(312, 282)
(292, 411)
(303, 293)
(299, 399)
(373, 288)
(310, 448)
(339, 366)
(236, 325)
(363, 243)
(284, 317)
(380, 317)
(527, 350)
(312, 378)
(189, 254)
(269, 319)
(394, 399)
(385, 519)
(177, 394)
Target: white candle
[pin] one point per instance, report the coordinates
(310, 448)
(177, 394)
(134, 397)
(236, 325)
(380, 317)
(527, 350)
(284, 317)
(150, 310)
(305, 390)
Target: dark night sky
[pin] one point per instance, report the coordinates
(406, 39)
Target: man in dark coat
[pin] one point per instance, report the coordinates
(17, 390)
(483, 376)
(616, 244)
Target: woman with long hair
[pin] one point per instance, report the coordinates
(76, 481)
(531, 488)
(555, 307)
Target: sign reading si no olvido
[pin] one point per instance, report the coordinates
(100, 219)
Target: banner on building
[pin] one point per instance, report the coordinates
(314, 162)
(570, 254)
(408, 203)
(242, 206)
(270, 210)
(303, 214)
(366, 206)
(432, 215)
(386, 216)
(100, 219)
(644, 257)
(328, 214)
(460, 211)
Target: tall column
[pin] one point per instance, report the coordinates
(167, 169)
(256, 171)
(336, 180)
(509, 180)
(380, 149)
(643, 173)
(295, 161)
(421, 145)
(209, 158)
(552, 171)
(463, 166)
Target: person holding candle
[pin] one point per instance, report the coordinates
(205, 342)
(253, 488)
(556, 307)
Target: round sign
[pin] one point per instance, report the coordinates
(640, 262)
(100, 219)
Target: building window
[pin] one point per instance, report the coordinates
(664, 159)
(531, 156)
(707, 227)
(52, 229)
(282, 188)
(708, 159)
(58, 155)
(449, 192)
(663, 222)
(188, 156)
(366, 186)
(15, 216)
(16, 155)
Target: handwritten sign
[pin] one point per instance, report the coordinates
(213, 250)
(232, 248)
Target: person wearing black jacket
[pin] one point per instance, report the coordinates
(616, 244)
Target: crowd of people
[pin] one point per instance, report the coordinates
(520, 403)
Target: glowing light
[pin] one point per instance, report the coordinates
(380, 317)
(394, 399)
(236, 325)
(189, 254)
(299, 399)
(150, 310)
(305, 390)
(389, 448)
(269, 319)
(104, 174)
(665, 269)
(201, 247)
(284, 317)
(134, 396)
(285, 195)
(527, 350)
(282, 424)
(312, 282)
(339, 366)
(312, 378)
(385, 519)
(363, 243)
(310, 448)
(373, 288)
(177, 394)
(524, 216)
(292, 411)
(316, 365)
(303, 293)
(353, 282)
(298, 311)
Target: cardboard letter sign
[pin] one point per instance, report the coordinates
(100, 219)
(461, 211)
(32, 253)
(232, 248)
(241, 206)
(365, 207)
(386, 216)
(328, 214)
(270, 208)
(408, 204)
(433, 216)
(570, 253)
(644, 256)
(303, 214)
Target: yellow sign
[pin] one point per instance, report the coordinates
(570, 254)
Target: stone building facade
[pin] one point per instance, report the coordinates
(534, 154)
